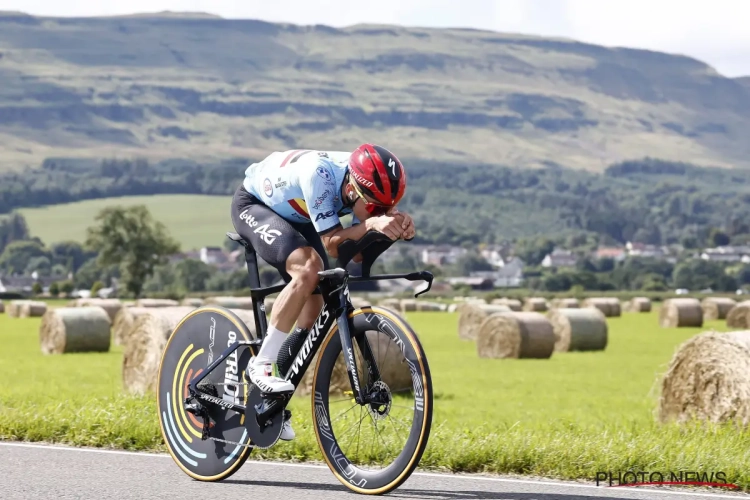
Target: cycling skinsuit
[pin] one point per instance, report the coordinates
(288, 200)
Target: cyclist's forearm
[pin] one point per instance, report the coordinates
(350, 233)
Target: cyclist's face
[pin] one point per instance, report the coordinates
(363, 207)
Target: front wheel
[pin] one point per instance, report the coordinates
(373, 448)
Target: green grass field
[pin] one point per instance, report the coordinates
(566, 417)
(193, 220)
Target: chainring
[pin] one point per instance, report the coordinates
(270, 434)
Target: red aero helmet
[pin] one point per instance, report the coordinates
(378, 173)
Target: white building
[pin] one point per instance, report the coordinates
(560, 258)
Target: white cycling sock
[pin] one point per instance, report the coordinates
(271, 345)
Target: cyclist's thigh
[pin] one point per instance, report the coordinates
(313, 239)
(272, 236)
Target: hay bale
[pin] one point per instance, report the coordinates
(32, 309)
(232, 302)
(360, 302)
(717, 307)
(14, 308)
(423, 305)
(708, 379)
(685, 312)
(192, 302)
(565, 303)
(516, 335)
(471, 316)
(452, 308)
(124, 321)
(512, 304)
(391, 364)
(75, 329)
(609, 306)
(579, 329)
(156, 303)
(392, 304)
(408, 305)
(112, 306)
(638, 304)
(144, 347)
(739, 316)
(537, 304)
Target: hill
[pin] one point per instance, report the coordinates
(193, 86)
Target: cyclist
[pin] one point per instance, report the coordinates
(288, 208)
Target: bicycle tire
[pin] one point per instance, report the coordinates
(357, 479)
(187, 351)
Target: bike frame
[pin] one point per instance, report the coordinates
(336, 307)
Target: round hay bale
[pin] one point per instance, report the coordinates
(408, 305)
(708, 379)
(471, 316)
(512, 304)
(32, 309)
(192, 302)
(638, 304)
(579, 329)
(360, 302)
(144, 347)
(112, 306)
(124, 321)
(739, 316)
(14, 308)
(537, 304)
(430, 306)
(566, 303)
(717, 307)
(609, 306)
(75, 329)
(685, 312)
(452, 308)
(391, 364)
(156, 303)
(516, 335)
(392, 304)
(231, 302)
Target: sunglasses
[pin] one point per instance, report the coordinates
(372, 208)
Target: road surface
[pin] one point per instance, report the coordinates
(31, 471)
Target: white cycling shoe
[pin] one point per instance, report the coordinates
(265, 376)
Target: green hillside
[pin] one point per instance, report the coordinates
(193, 220)
(201, 87)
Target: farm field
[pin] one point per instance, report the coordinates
(193, 220)
(566, 417)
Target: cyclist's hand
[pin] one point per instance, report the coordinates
(390, 226)
(407, 224)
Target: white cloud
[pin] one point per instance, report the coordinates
(715, 32)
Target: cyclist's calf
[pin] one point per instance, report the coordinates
(303, 265)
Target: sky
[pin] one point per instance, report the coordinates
(714, 31)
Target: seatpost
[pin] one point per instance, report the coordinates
(259, 309)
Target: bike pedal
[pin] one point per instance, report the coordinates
(193, 408)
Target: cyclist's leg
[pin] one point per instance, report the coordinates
(314, 302)
(282, 246)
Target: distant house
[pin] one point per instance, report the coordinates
(727, 254)
(614, 253)
(560, 258)
(23, 284)
(646, 250)
(213, 255)
(442, 255)
(493, 255)
(508, 276)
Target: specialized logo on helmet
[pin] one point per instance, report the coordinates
(392, 166)
(361, 179)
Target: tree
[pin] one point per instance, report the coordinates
(469, 262)
(36, 288)
(71, 254)
(719, 238)
(192, 275)
(54, 289)
(67, 287)
(16, 256)
(131, 238)
(13, 228)
(98, 285)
